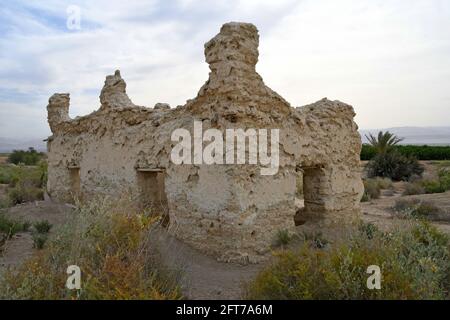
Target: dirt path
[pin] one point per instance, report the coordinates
(202, 276)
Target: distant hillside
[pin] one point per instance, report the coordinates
(416, 135)
(7, 144)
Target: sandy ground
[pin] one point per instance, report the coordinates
(380, 211)
(203, 277)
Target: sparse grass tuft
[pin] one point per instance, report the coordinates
(316, 239)
(283, 238)
(39, 240)
(413, 188)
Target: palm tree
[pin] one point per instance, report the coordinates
(384, 142)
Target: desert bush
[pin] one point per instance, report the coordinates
(39, 240)
(6, 174)
(25, 183)
(384, 183)
(415, 208)
(393, 165)
(30, 157)
(10, 227)
(412, 188)
(42, 226)
(371, 189)
(368, 229)
(414, 264)
(444, 178)
(373, 186)
(22, 193)
(432, 186)
(442, 184)
(110, 241)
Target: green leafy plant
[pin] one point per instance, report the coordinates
(10, 227)
(395, 166)
(384, 142)
(42, 226)
(30, 157)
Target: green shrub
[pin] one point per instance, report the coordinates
(21, 194)
(25, 183)
(395, 166)
(432, 186)
(6, 174)
(30, 157)
(414, 265)
(367, 152)
(110, 240)
(42, 226)
(442, 184)
(39, 240)
(10, 227)
(368, 229)
(444, 179)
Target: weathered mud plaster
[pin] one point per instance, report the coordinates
(229, 211)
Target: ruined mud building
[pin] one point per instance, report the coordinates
(229, 211)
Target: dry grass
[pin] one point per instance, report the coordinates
(109, 240)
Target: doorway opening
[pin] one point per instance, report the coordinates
(75, 182)
(152, 192)
(308, 197)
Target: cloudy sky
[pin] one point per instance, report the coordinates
(389, 59)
